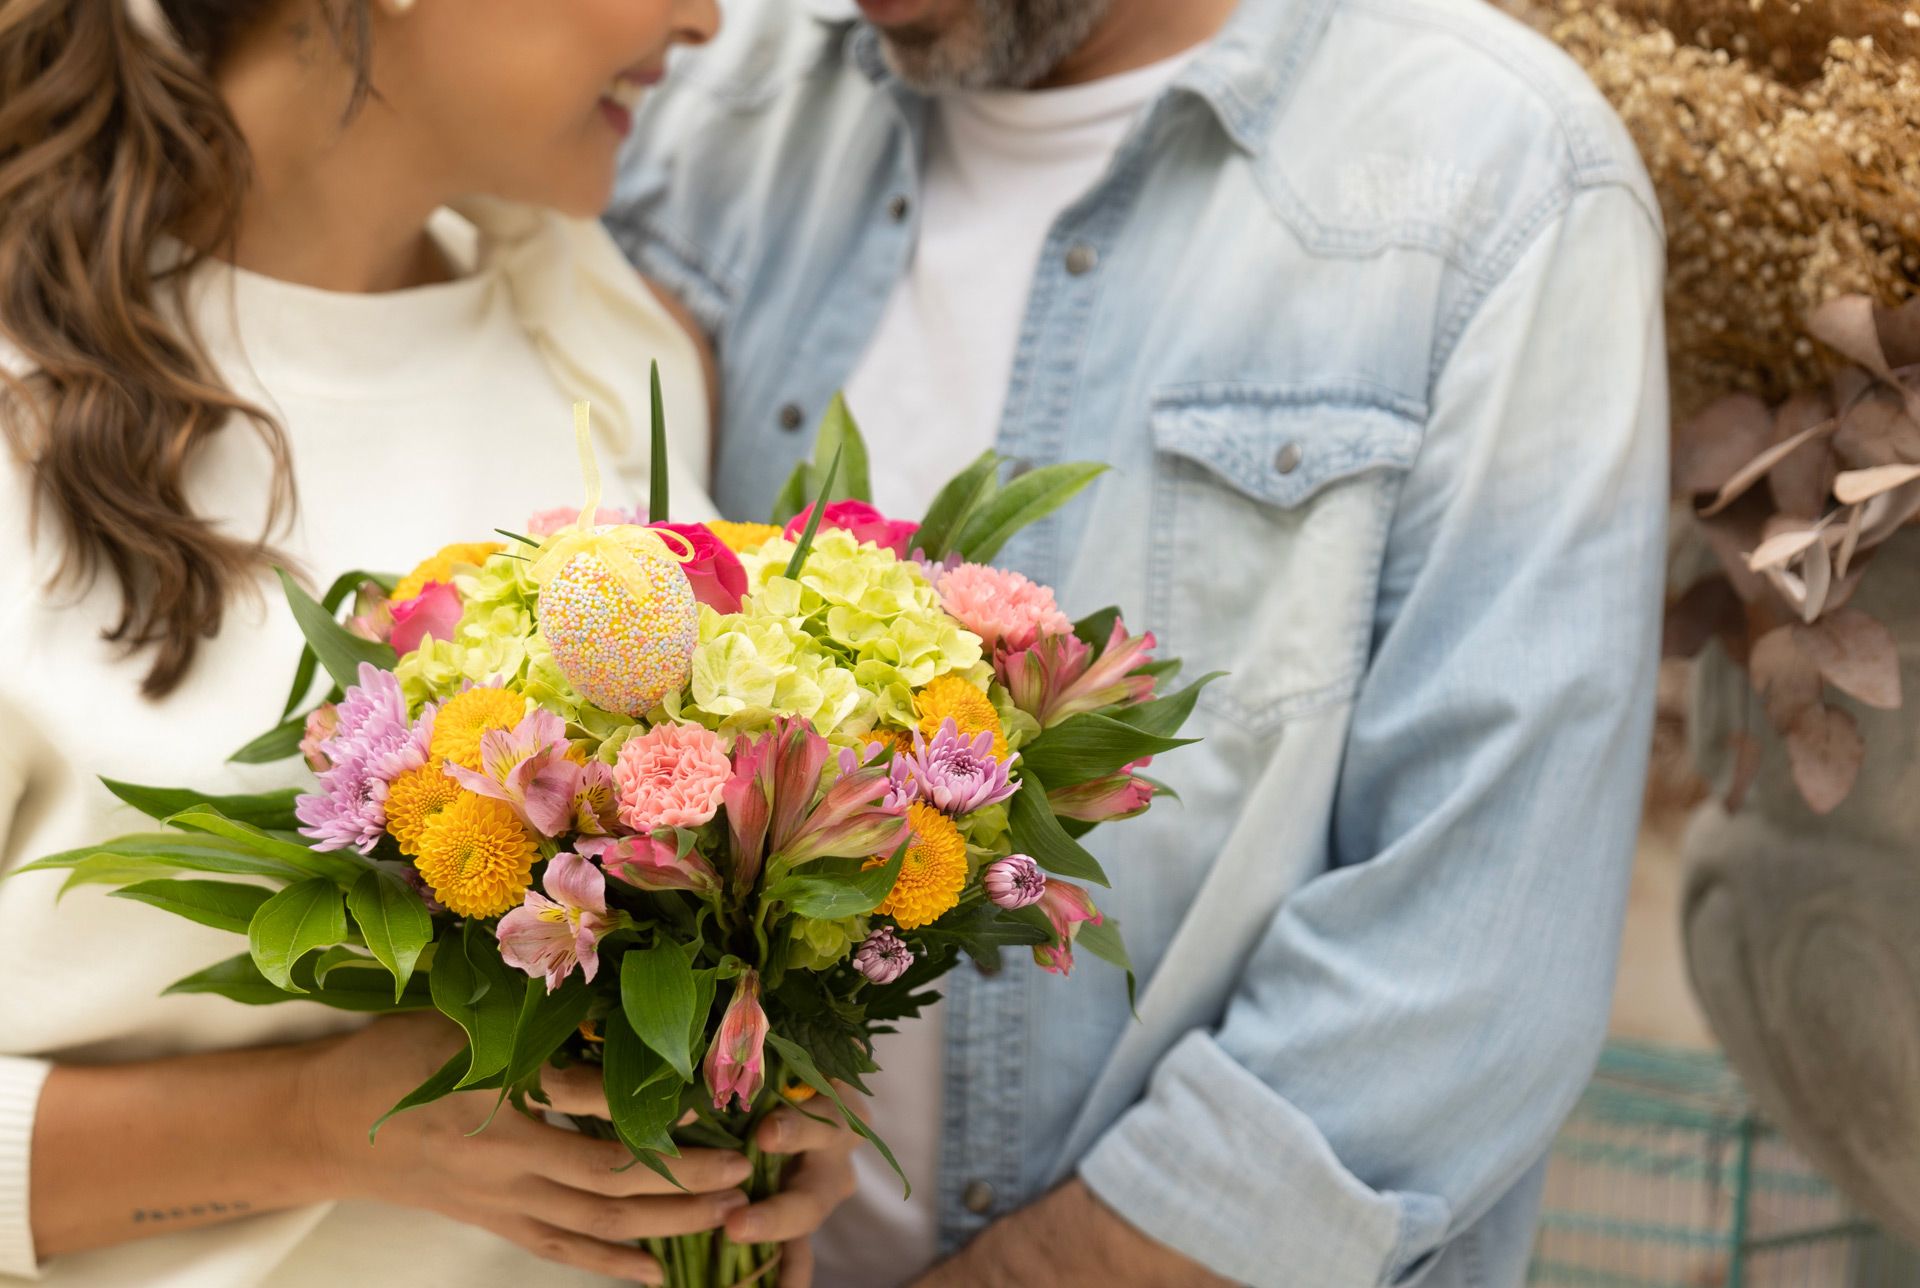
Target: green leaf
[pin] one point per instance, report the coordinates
(393, 921)
(831, 897)
(792, 497)
(293, 923)
(262, 809)
(475, 990)
(340, 651)
(1096, 629)
(441, 1085)
(238, 979)
(657, 474)
(144, 855)
(840, 434)
(704, 984)
(644, 1107)
(1103, 941)
(1090, 746)
(801, 1065)
(659, 996)
(1027, 500)
(339, 957)
(224, 905)
(201, 818)
(546, 1020)
(962, 495)
(805, 547)
(277, 743)
(1165, 716)
(1036, 832)
(357, 983)
(343, 585)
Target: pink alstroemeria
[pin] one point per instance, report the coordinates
(434, 611)
(857, 818)
(1066, 906)
(322, 723)
(553, 933)
(372, 616)
(651, 863)
(735, 1065)
(596, 803)
(748, 802)
(1119, 795)
(1059, 677)
(527, 766)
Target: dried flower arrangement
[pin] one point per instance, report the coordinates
(1782, 138)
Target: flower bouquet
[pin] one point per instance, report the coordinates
(705, 806)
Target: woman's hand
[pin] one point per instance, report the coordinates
(819, 1180)
(554, 1192)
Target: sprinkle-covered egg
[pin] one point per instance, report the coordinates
(623, 642)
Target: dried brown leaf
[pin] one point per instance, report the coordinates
(1899, 331)
(1849, 542)
(1854, 486)
(1877, 430)
(1786, 679)
(1759, 467)
(1784, 546)
(1856, 655)
(1887, 513)
(1800, 482)
(1846, 325)
(1730, 536)
(1708, 608)
(1709, 448)
(1826, 750)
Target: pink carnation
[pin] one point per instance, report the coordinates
(1003, 608)
(671, 776)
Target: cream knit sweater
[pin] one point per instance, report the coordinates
(415, 419)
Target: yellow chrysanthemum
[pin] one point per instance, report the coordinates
(948, 697)
(933, 873)
(414, 798)
(477, 856)
(743, 538)
(441, 566)
(458, 727)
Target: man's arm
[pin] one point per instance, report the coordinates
(1417, 1021)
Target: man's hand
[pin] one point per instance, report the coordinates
(1069, 1239)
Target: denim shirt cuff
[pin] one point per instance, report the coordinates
(1218, 1166)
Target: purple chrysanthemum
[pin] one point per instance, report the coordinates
(883, 957)
(1015, 882)
(953, 773)
(372, 744)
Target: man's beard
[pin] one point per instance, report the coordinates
(997, 44)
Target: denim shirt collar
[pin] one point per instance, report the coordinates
(1243, 75)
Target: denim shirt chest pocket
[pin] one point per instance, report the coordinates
(1269, 518)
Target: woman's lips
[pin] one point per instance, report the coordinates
(620, 118)
(893, 13)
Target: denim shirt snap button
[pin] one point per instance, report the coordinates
(791, 417)
(978, 1198)
(899, 208)
(1082, 259)
(1287, 459)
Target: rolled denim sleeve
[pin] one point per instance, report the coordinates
(1417, 1021)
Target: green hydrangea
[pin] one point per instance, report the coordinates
(748, 670)
(495, 640)
(821, 945)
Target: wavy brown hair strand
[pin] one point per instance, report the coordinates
(120, 169)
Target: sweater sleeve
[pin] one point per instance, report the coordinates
(20, 1083)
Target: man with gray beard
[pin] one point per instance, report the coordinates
(1360, 299)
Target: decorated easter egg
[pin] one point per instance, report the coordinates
(624, 641)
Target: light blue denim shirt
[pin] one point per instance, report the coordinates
(1366, 317)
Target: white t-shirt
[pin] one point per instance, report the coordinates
(414, 419)
(1001, 167)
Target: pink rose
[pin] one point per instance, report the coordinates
(671, 776)
(434, 611)
(863, 521)
(715, 573)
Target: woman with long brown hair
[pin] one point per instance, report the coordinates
(306, 283)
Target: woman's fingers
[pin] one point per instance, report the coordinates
(580, 1251)
(789, 1131)
(796, 1264)
(577, 1089)
(821, 1183)
(606, 1168)
(613, 1220)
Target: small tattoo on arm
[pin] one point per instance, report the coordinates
(158, 1216)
